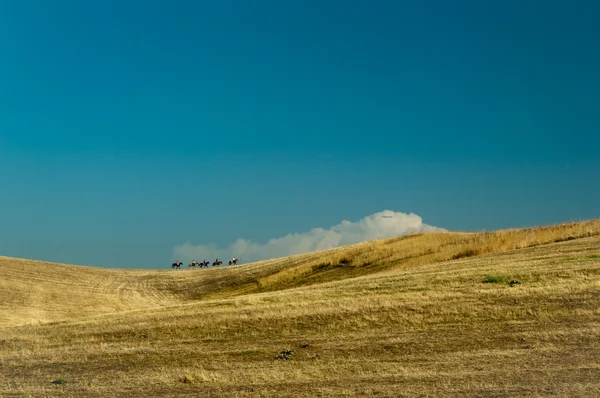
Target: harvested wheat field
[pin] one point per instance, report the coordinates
(501, 314)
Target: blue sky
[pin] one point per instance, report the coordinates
(128, 128)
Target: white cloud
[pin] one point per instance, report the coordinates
(384, 224)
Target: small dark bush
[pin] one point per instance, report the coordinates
(285, 355)
(326, 266)
(496, 279)
(59, 380)
(345, 261)
(321, 266)
(565, 239)
(465, 253)
(185, 379)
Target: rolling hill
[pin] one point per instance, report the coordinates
(504, 313)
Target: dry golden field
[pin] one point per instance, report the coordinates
(501, 314)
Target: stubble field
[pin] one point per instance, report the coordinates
(499, 314)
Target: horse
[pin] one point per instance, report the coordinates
(217, 262)
(234, 261)
(192, 265)
(203, 264)
(176, 265)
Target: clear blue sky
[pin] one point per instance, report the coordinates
(127, 128)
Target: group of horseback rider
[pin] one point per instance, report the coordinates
(194, 264)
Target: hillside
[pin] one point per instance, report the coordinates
(421, 315)
(34, 291)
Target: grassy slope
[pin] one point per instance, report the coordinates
(412, 322)
(33, 291)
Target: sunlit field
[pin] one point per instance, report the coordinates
(508, 313)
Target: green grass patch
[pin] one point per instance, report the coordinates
(567, 259)
(502, 279)
(588, 257)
